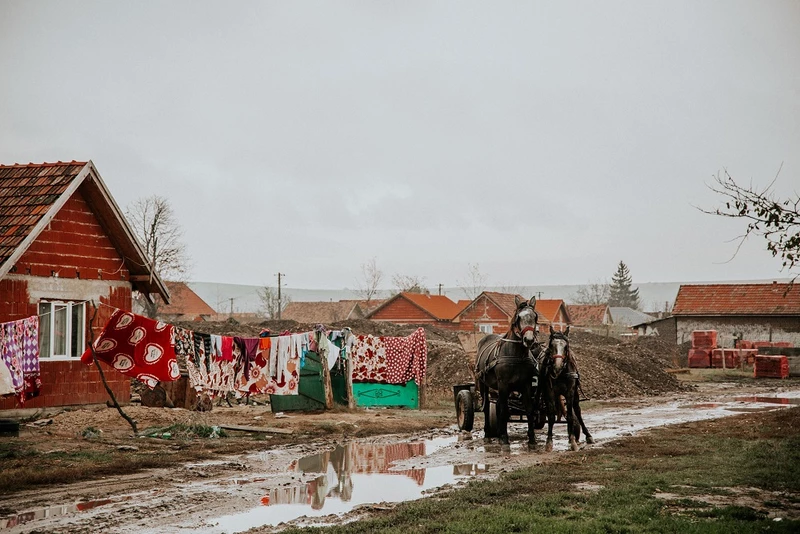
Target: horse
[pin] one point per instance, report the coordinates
(506, 364)
(559, 376)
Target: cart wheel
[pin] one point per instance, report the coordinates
(465, 410)
(491, 424)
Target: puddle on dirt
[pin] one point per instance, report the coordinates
(49, 512)
(350, 475)
(769, 400)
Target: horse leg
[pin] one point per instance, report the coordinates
(551, 418)
(530, 411)
(589, 438)
(502, 415)
(572, 426)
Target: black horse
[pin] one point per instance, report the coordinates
(559, 377)
(506, 364)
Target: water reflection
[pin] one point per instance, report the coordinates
(350, 475)
(49, 512)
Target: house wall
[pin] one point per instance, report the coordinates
(75, 247)
(755, 328)
(483, 311)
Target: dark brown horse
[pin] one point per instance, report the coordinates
(505, 364)
(559, 377)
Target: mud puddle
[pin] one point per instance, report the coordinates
(319, 483)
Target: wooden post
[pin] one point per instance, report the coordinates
(326, 380)
(351, 400)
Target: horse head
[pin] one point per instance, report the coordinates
(558, 349)
(523, 324)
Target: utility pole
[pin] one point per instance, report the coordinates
(279, 294)
(231, 314)
(440, 289)
(540, 295)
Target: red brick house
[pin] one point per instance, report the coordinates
(756, 312)
(64, 243)
(416, 308)
(491, 313)
(185, 305)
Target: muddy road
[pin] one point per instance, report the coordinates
(324, 482)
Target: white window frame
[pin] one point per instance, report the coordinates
(485, 328)
(68, 334)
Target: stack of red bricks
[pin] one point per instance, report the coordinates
(771, 367)
(703, 343)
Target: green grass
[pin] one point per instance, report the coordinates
(693, 460)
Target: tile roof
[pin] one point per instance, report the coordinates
(31, 195)
(548, 309)
(587, 314)
(621, 315)
(26, 194)
(504, 301)
(321, 312)
(439, 306)
(738, 299)
(184, 301)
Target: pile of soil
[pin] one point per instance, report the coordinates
(609, 367)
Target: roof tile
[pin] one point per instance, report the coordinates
(738, 299)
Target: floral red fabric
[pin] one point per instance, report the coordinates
(137, 346)
(390, 360)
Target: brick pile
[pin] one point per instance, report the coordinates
(771, 367)
(704, 342)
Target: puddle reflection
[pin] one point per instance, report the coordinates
(49, 512)
(769, 400)
(350, 475)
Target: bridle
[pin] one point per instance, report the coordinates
(528, 328)
(550, 360)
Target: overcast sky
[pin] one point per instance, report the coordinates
(545, 141)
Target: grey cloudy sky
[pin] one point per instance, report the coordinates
(544, 140)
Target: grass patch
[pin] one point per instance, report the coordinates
(182, 431)
(716, 459)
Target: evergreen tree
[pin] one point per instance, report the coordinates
(621, 292)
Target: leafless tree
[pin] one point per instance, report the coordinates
(511, 289)
(776, 220)
(269, 301)
(475, 282)
(371, 276)
(156, 226)
(405, 283)
(597, 292)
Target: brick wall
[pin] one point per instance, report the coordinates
(483, 311)
(88, 266)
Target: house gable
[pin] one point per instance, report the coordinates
(401, 310)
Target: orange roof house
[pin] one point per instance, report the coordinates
(552, 312)
(490, 313)
(757, 312)
(416, 308)
(323, 312)
(65, 244)
(588, 314)
(186, 305)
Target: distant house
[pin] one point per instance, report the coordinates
(416, 308)
(65, 245)
(627, 317)
(491, 312)
(758, 312)
(552, 312)
(186, 305)
(587, 315)
(663, 328)
(323, 312)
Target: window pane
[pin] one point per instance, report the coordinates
(77, 329)
(44, 329)
(60, 330)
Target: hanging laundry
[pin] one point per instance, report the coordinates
(198, 365)
(260, 379)
(393, 360)
(227, 349)
(216, 347)
(332, 353)
(19, 355)
(248, 348)
(137, 346)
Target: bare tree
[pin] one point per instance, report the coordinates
(776, 220)
(157, 228)
(597, 292)
(269, 301)
(511, 289)
(405, 283)
(371, 276)
(474, 283)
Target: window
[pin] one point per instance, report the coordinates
(485, 328)
(61, 329)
